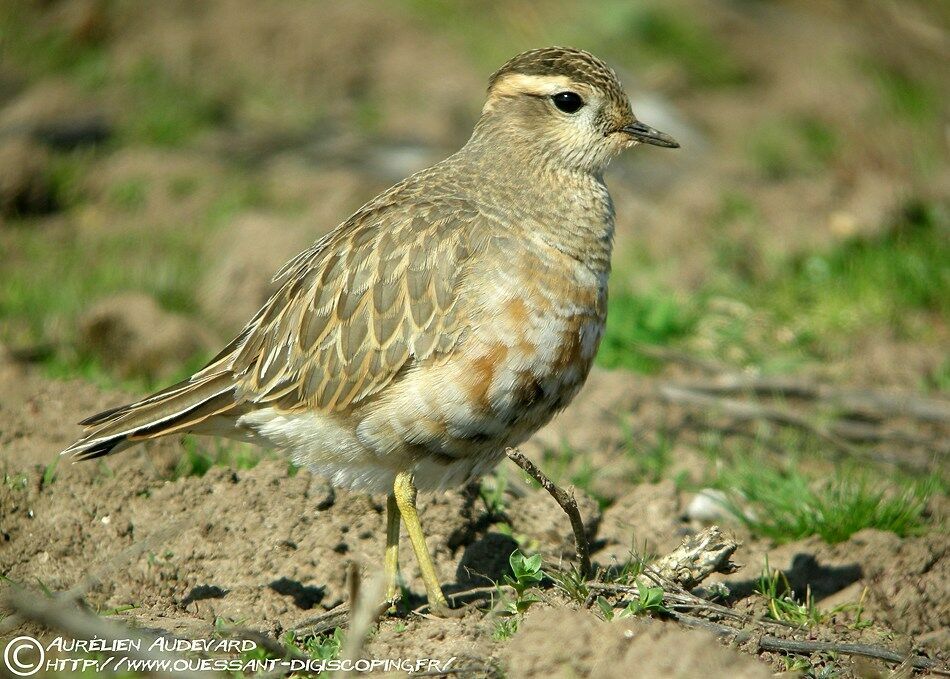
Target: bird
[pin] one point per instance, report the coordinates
(446, 320)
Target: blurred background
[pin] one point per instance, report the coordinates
(160, 160)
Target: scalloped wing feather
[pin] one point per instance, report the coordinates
(357, 308)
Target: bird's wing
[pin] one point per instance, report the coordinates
(374, 295)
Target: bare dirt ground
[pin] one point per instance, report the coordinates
(265, 550)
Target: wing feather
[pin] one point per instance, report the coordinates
(377, 293)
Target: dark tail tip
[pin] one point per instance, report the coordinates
(100, 449)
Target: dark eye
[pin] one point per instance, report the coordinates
(569, 102)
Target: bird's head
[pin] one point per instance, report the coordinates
(564, 105)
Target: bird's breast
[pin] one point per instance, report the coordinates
(533, 345)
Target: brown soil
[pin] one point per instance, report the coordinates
(267, 549)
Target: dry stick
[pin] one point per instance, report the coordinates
(743, 410)
(685, 601)
(668, 355)
(324, 622)
(53, 614)
(753, 411)
(859, 401)
(99, 573)
(366, 611)
(765, 642)
(770, 643)
(567, 503)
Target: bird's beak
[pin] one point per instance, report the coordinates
(648, 135)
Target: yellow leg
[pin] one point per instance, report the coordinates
(404, 491)
(392, 548)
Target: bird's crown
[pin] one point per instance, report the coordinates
(576, 65)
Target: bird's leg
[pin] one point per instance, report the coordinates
(404, 491)
(391, 563)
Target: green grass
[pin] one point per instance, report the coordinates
(649, 601)
(868, 280)
(639, 36)
(787, 147)
(785, 605)
(202, 454)
(669, 36)
(782, 603)
(52, 276)
(649, 460)
(779, 314)
(166, 111)
(903, 93)
(324, 646)
(634, 319)
(55, 278)
(788, 505)
(526, 576)
(47, 48)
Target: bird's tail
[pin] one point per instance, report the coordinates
(179, 408)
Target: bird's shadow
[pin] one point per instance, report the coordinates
(484, 562)
(203, 592)
(805, 573)
(304, 597)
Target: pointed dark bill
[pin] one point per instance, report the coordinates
(648, 135)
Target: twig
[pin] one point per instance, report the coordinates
(743, 410)
(770, 643)
(753, 411)
(99, 573)
(324, 622)
(668, 355)
(865, 402)
(567, 503)
(53, 614)
(366, 611)
(686, 601)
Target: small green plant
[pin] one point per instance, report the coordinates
(15, 481)
(781, 601)
(49, 473)
(325, 646)
(571, 582)
(526, 575)
(505, 628)
(857, 608)
(649, 601)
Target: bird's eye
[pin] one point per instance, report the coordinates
(569, 102)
